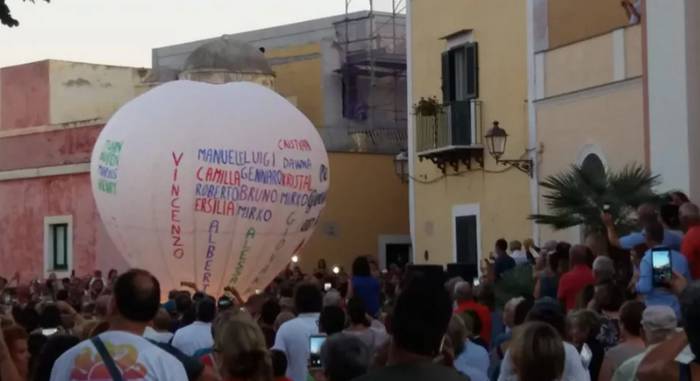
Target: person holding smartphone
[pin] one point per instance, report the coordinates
(655, 271)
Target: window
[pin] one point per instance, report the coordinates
(396, 249)
(460, 73)
(58, 244)
(460, 86)
(593, 166)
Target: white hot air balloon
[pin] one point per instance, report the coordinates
(216, 185)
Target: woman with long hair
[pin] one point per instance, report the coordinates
(240, 352)
(365, 286)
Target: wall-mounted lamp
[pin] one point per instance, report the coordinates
(496, 139)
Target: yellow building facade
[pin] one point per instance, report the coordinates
(457, 214)
(300, 80)
(366, 210)
(588, 93)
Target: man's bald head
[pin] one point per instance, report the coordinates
(463, 292)
(578, 255)
(689, 214)
(647, 214)
(137, 296)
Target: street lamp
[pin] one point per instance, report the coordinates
(401, 166)
(496, 139)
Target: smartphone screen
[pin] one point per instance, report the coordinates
(661, 267)
(327, 286)
(49, 331)
(315, 343)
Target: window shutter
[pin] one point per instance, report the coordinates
(460, 122)
(447, 94)
(472, 60)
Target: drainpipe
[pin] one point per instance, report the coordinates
(411, 126)
(532, 117)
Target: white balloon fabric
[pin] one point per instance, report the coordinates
(216, 185)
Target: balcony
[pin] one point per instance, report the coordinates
(451, 136)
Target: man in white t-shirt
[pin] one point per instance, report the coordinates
(517, 253)
(197, 335)
(136, 301)
(293, 336)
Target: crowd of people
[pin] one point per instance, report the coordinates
(557, 313)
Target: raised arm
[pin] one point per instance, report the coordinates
(8, 371)
(610, 229)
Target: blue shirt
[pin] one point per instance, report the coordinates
(671, 240)
(367, 289)
(661, 296)
(473, 361)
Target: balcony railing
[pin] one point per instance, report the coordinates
(459, 126)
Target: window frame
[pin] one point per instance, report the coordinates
(449, 86)
(51, 225)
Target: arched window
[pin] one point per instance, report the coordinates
(592, 165)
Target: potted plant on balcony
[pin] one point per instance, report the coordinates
(428, 107)
(428, 111)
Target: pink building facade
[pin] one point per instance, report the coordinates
(48, 219)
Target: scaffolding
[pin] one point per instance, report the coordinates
(373, 46)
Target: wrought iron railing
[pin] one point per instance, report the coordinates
(459, 124)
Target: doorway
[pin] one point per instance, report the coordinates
(394, 249)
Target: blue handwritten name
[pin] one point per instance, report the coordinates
(235, 157)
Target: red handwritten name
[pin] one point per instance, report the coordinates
(294, 145)
(175, 228)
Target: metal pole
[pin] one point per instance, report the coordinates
(370, 51)
(394, 6)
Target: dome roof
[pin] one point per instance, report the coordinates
(229, 55)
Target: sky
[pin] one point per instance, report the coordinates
(123, 32)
